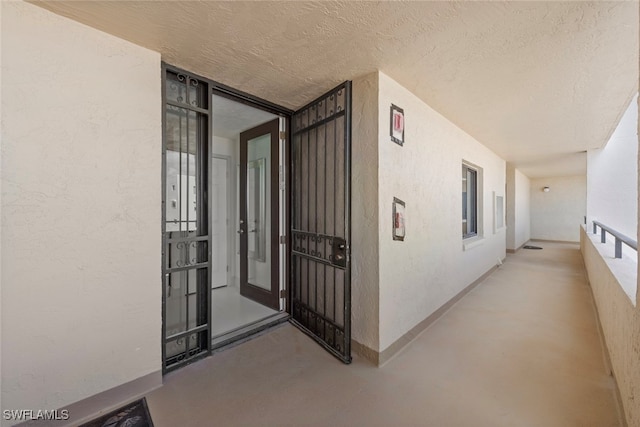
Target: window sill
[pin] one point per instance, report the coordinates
(472, 242)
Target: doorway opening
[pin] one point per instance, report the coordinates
(256, 217)
(248, 218)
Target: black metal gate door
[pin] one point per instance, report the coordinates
(186, 261)
(321, 221)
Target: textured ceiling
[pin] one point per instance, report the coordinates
(537, 82)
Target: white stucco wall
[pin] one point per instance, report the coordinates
(523, 209)
(81, 199)
(511, 206)
(364, 204)
(612, 177)
(231, 148)
(556, 215)
(427, 269)
(619, 318)
(1, 126)
(518, 208)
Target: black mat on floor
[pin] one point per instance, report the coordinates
(135, 414)
(531, 247)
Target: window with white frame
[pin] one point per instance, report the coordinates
(469, 201)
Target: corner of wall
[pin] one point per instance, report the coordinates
(1, 127)
(511, 207)
(365, 242)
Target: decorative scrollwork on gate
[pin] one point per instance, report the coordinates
(315, 245)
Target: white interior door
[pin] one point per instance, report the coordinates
(220, 222)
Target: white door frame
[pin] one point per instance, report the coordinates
(230, 222)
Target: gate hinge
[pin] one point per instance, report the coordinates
(283, 293)
(283, 240)
(282, 134)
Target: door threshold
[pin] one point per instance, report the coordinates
(243, 333)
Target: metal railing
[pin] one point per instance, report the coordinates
(620, 238)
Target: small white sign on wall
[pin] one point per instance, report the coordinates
(498, 212)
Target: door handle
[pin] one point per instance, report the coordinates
(339, 252)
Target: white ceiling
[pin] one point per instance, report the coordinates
(231, 118)
(537, 82)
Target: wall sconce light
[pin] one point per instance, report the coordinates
(546, 189)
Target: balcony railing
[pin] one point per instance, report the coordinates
(620, 238)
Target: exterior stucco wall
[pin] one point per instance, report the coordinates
(81, 243)
(518, 208)
(523, 209)
(364, 203)
(557, 214)
(612, 177)
(619, 318)
(1, 126)
(427, 269)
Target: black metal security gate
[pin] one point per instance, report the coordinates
(186, 260)
(321, 221)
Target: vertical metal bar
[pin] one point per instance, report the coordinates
(324, 229)
(335, 231)
(316, 214)
(347, 221)
(188, 217)
(293, 188)
(164, 218)
(299, 225)
(290, 218)
(603, 235)
(188, 190)
(187, 338)
(308, 238)
(594, 228)
(209, 203)
(618, 248)
(180, 174)
(180, 221)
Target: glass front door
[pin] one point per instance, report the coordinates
(258, 225)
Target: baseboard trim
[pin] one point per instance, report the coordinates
(381, 358)
(365, 352)
(513, 251)
(102, 403)
(556, 241)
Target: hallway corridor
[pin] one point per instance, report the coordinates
(521, 349)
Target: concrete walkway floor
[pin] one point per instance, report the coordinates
(522, 349)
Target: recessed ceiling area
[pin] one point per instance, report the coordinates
(230, 118)
(536, 82)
